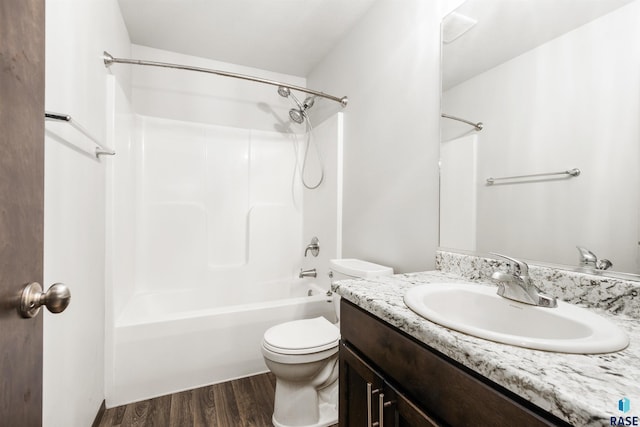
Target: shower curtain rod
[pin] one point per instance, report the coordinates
(478, 125)
(109, 59)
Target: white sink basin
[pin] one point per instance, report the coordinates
(477, 310)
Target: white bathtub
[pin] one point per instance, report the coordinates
(173, 341)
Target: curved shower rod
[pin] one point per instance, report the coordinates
(109, 59)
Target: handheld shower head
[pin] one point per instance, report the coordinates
(297, 116)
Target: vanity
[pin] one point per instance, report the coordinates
(387, 375)
(399, 369)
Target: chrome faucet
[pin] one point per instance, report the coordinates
(314, 247)
(307, 273)
(517, 285)
(589, 260)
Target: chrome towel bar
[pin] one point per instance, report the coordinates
(479, 126)
(100, 149)
(570, 173)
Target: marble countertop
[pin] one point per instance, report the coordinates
(582, 389)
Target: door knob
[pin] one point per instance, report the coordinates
(56, 299)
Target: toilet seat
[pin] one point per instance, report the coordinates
(302, 337)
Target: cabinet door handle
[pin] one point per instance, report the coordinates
(370, 393)
(381, 405)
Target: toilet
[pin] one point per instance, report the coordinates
(303, 356)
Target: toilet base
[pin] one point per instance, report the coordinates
(319, 408)
(328, 417)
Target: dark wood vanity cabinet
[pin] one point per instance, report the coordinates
(388, 379)
(366, 398)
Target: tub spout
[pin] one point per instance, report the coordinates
(307, 273)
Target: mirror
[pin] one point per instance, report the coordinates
(556, 85)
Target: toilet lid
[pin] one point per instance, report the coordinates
(302, 336)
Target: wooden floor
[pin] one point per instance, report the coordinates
(238, 403)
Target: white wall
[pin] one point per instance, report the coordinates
(77, 32)
(323, 205)
(458, 176)
(570, 103)
(388, 66)
(121, 206)
(121, 211)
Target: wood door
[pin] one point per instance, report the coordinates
(21, 206)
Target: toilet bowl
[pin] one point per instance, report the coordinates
(303, 356)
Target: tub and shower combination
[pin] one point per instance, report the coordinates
(207, 228)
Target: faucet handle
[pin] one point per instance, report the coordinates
(314, 247)
(604, 264)
(518, 267)
(586, 256)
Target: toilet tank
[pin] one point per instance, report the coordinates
(350, 268)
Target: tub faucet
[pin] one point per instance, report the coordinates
(517, 285)
(589, 260)
(307, 273)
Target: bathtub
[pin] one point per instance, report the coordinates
(174, 341)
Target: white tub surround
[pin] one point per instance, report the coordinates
(581, 389)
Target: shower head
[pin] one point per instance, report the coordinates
(308, 102)
(284, 91)
(297, 115)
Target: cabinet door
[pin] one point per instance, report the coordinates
(399, 411)
(367, 400)
(359, 390)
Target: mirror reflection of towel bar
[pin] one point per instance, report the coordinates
(100, 149)
(571, 172)
(478, 125)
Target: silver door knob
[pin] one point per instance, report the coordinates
(56, 299)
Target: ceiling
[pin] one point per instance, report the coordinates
(286, 36)
(507, 28)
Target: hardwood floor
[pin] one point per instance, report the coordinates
(240, 403)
